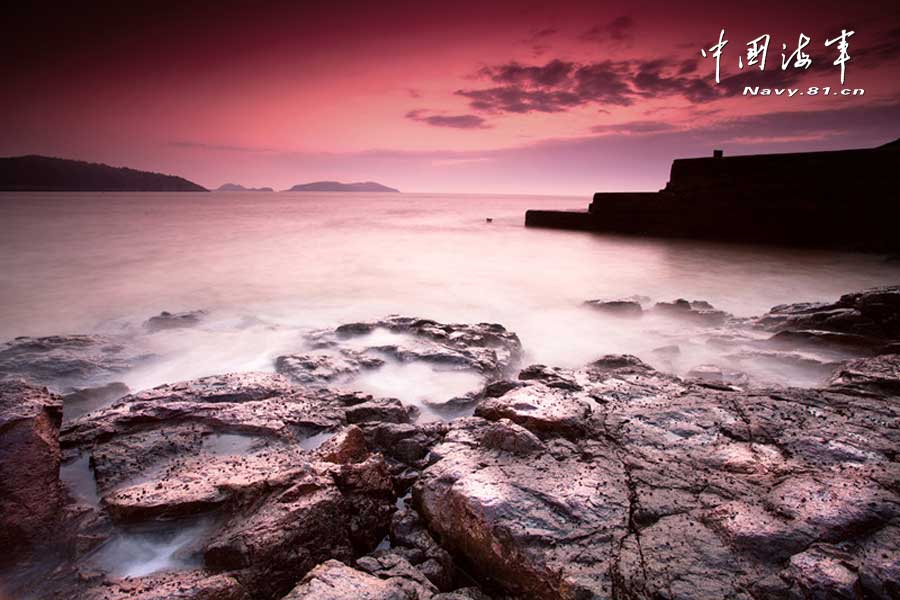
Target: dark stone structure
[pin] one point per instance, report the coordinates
(846, 199)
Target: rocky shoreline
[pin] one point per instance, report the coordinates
(612, 480)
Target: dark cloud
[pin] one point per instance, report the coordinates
(554, 73)
(619, 29)
(561, 85)
(453, 121)
(513, 99)
(887, 49)
(634, 128)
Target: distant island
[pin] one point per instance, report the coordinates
(337, 186)
(234, 187)
(47, 174)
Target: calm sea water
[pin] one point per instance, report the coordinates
(268, 266)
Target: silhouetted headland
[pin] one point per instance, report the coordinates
(337, 186)
(46, 174)
(841, 199)
(234, 187)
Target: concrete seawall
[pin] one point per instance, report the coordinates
(846, 199)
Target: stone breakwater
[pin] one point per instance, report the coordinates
(837, 199)
(612, 480)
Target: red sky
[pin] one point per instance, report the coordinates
(505, 97)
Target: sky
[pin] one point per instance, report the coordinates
(561, 98)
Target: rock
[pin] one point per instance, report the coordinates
(694, 311)
(811, 338)
(486, 348)
(823, 571)
(167, 320)
(879, 568)
(540, 408)
(381, 411)
(873, 314)
(621, 308)
(337, 512)
(324, 367)
(404, 442)
(237, 451)
(641, 485)
(30, 493)
(348, 446)
(65, 361)
(509, 437)
(392, 566)
(185, 585)
(408, 533)
(333, 580)
(878, 375)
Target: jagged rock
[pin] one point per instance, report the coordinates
(486, 348)
(322, 367)
(694, 311)
(392, 566)
(30, 494)
(184, 585)
(338, 512)
(871, 313)
(621, 308)
(541, 408)
(242, 452)
(167, 320)
(879, 569)
(391, 411)
(834, 340)
(261, 404)
(348, 446)
(405, 442)
(333, 580)
(822, 572)
(879, 375)
(670, 488)
(66, 361)
(410, 538)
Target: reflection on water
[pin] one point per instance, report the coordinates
(269, 267)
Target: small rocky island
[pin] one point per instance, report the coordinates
(234, 187)
(46, 174)
(612, 480)
(337, 186)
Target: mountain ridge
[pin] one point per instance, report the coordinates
(34, 172)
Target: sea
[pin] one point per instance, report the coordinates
(269, 267)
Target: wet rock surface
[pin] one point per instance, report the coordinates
(670, 488)
(30, 494)
(486, 348)
(613, 480)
